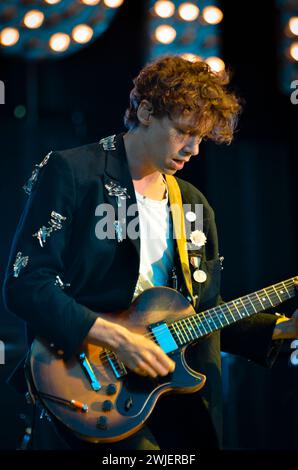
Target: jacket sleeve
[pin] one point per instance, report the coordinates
(31, 289)
(252, 338)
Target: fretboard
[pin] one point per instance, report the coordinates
(196, 326)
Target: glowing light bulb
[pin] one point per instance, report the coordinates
(215, 63)
(90, 2)
(191, 57)
(113, 3)
(82, 33)
(59, 42)
(33, 19)
(294, 50)
(212, 15)
(9, 36)
(165, 34)
(188, 11)
(164, 9)
(52, 2)
(293, 25)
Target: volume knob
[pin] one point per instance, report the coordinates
(102, 422)
(111, 389)
(107, 405)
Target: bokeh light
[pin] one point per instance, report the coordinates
(165, 34)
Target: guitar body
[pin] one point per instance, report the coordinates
(124, 399)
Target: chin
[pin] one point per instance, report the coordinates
(169, 171)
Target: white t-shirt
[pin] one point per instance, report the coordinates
(157, 245)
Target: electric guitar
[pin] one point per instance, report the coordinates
(98, 399)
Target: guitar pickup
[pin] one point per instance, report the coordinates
(95, 385)
(164, 337)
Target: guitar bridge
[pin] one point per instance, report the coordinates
(95, 385)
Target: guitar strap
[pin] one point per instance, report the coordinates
(177, 212)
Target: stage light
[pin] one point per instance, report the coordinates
(212, 15)
(90, 2)
(191, 57)
(165, 34)
(215, 63)
(188, 11)
(52, 2)
(113, 3)
(59, 42)
(82, 33)
(164, 9)
(294, 50)
(9, 36)
(33, 19)
(293, 25)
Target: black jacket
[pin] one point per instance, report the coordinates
(100, 275)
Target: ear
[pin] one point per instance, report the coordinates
(144, 112)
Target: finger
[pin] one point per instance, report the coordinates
(161, 369)
(145, 369)
(164, 360)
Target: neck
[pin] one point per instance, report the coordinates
(139, 161)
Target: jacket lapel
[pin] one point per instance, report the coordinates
(119, 190)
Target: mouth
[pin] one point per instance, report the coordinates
(179, 163)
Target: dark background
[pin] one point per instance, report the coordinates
(251, 184)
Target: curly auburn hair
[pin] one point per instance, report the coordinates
(175, 86)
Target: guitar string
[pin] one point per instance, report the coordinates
(269, 290)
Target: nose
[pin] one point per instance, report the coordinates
(193, 144)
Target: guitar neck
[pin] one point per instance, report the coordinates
(196, 326)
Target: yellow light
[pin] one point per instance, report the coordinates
(215, 63)
(33, 19)
(52, 2)
(165, 34)
(9, 36)
(191, 57)
(188, 11)
(90, 2)
(293, 25)
(212, 15)
(164, 9)
(294, 50)
(113, 3)
(59, 42)
(82, 33)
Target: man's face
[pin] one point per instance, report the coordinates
(170, 143)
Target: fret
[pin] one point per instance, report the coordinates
(194, 326)
(218, 316)
(235, 306)
(265, 291)
(259, 300)
(283, 292)
(223, 313)
(286, 289)
(184, 331)
(177, 335)
(247, 312)
(180, 333)
(210, 319)
(227, 305)
(198, 326)
(205, 322)
(248, 297)
(202, 314)
(190, 328)
(277, 294)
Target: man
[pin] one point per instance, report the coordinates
(63, 275)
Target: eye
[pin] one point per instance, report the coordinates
(182, 132)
